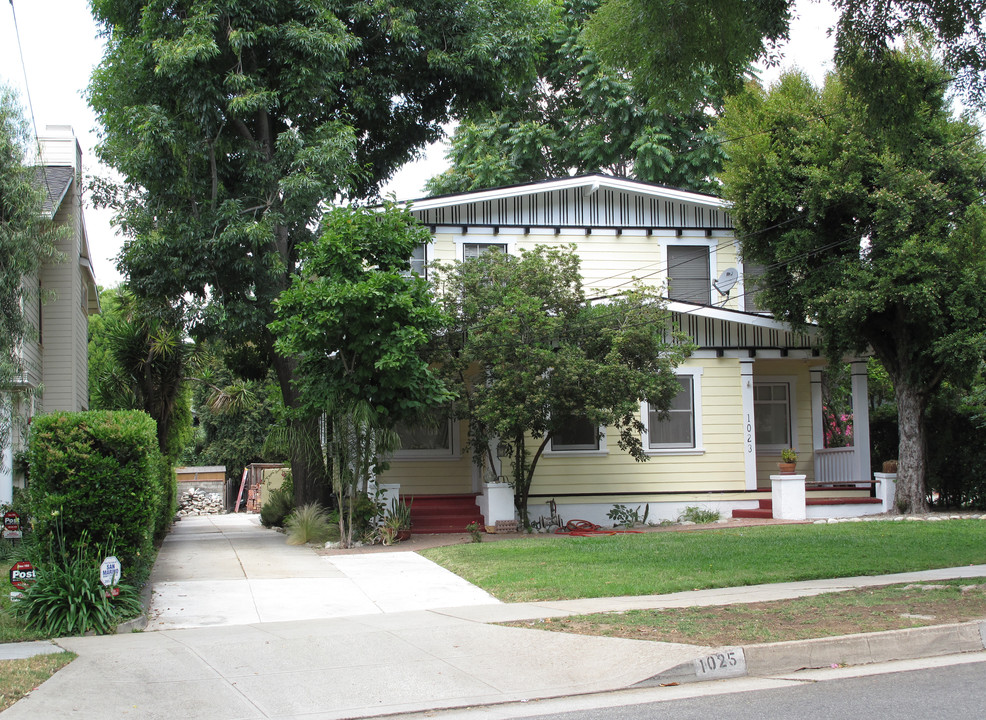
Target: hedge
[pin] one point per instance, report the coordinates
(100, 473)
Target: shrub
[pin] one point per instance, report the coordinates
(279, 505)
(97, 473)
(698, 515)
(69, 599)
(309, 523)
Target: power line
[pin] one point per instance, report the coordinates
(30, 104)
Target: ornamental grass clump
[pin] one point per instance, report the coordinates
(308, 524)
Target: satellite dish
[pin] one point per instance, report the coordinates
(726, 281)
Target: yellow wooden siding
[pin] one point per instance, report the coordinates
(609, 261)
(438, 476)
(720, 467)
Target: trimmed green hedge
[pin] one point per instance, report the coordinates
(101, 473)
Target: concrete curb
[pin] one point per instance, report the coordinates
(140, 622)
(776, 658)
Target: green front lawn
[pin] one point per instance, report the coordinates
(560, 567)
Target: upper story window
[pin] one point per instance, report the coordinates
(688, 274)
(474, 250)
(419, 260)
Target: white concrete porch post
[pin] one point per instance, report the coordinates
(749, 424)
(860, 421)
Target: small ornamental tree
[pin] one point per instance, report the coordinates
(864, 201)
(529, 354)
(357, 320)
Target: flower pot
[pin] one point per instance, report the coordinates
(403, 535)
(787, 468)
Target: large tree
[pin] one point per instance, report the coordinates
(574, 117)
(27, 239)
(233, 121)
(530, 356)
(674, 48)
(864, 201)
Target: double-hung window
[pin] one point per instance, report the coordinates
(680, 432)
(475, 249)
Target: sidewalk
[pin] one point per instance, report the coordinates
(374, 657)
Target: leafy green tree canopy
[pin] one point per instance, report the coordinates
(27, 239)
(233, 121)
(673, 48)
(575, 117)
(529, 355)
(358, 319)
(864, 201)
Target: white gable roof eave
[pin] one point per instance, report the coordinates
(591, 184)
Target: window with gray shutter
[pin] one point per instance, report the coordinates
(688, 274)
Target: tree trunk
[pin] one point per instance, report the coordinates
(307, 468)
(912, 452)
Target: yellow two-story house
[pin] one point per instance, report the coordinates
(751, 388)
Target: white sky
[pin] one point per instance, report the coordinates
(60, 49)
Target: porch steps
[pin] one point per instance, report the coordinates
(766, 509)
(433, 514)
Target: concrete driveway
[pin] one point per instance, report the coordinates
(223, 570)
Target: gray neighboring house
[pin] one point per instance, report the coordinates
(55, 356)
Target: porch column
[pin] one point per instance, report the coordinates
(817, 419)
(749, 424)
(860, 421)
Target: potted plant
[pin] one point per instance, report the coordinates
(399, 519)
(789, 460)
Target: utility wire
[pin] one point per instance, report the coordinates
(30, 104)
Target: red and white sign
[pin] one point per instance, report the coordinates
(12, 526)
(22, 574)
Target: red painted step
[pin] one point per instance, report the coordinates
(766, 505)
(443, 513)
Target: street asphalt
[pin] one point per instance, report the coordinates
(242, 625)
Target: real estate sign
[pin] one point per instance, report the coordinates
(12, 526)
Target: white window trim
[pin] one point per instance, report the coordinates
(699, 448)
(688, 241)
(792, 402)
(562, 452)
(453, 453)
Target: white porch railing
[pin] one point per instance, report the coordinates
(835, 465)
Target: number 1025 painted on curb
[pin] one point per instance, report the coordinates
(729, 662)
